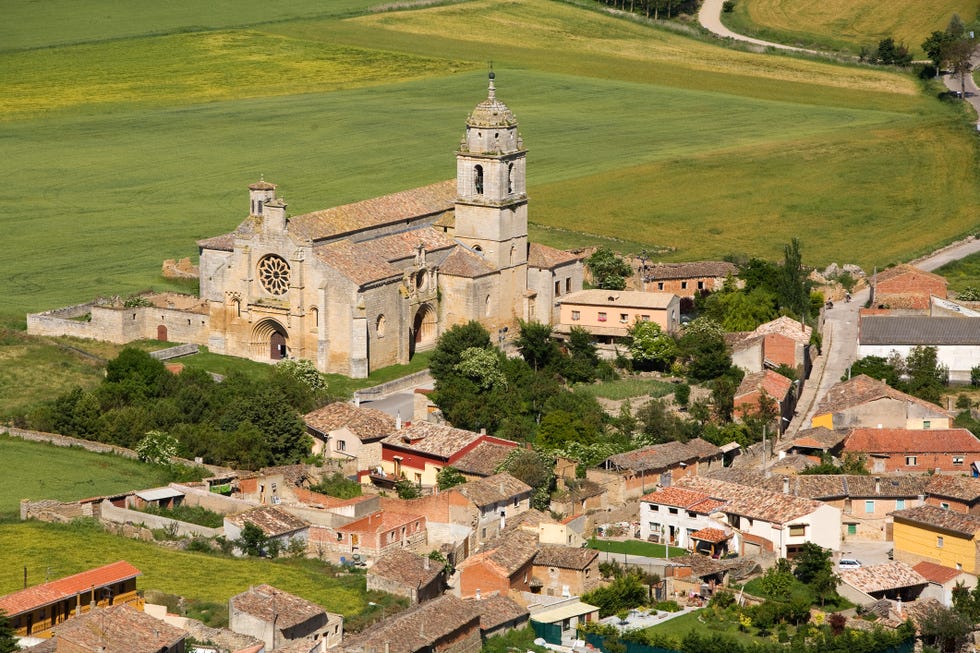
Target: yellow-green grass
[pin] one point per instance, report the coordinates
(35, 470)
(963, 273)
(847, 24)
(59, 550)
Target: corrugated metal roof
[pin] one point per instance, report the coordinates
(159, 493)
(576, 609)
(919, 330)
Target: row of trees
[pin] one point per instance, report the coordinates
(919, 374)
(655, 9)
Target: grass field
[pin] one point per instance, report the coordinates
(847, 25)
(59, 550)
(963, 273)
(628, 388)
(33, 470)
(636, 547)
(135, 133)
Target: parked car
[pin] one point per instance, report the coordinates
(848, 563)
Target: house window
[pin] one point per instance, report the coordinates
(660, 285)
(557, 288)
(340, 537)
(957, 460)
(672, 511)
(926, 423)
(899, 504)
(797, 530)
(683, 285)
(655, 507)
(692, 515)
(515, 502)
(379, 326)
(911, 461)
(939, 541)
(852, 529)
(644, 318)
(341, 445)
(944, 505)
(624, 317)
(568, 284)
(483, 533)
(869, 507)
(478, 179)
(700, 285)
(602, 316)
(418, 478)
(576, 315)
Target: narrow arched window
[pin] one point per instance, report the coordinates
(510, 178)
(478, 179)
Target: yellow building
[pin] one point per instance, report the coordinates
(930, 534)
(863, 401)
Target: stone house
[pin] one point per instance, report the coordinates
(773, 386)
(499, 614)
(783, 341)
(608, 314)
(483, 460)
(119, 628)
(33, 611)
(687, 279)
(865, 402)
(407, 574)
(444, 625)
(672, 515)
(498, 498)
(956, 339)
(566, 571)
(504, 566)
(954, 492)
(632, 474)
(279, 618)
(279, 526)
(372, 536)
(944, 537)
(907, 450)
(816, 443)
(352, 433)
(906, 288)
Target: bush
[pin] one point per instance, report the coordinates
(728, 6)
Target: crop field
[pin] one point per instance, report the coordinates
(847, 24)
(63, 549)
(136, 133)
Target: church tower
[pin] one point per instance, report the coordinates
(491, 193)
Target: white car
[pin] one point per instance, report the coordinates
(848, 563)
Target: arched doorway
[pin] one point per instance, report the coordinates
(269, 340)
(162, 333)
(423, 334)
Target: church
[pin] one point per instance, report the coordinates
(358, 287)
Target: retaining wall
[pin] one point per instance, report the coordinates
(397, 385)
(125, 516)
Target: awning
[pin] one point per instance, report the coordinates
(562, 612)
(158, 493)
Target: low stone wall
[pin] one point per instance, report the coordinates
(405, 382)
(218, 503)
(175, 352)
(111, 513)
(50, 510)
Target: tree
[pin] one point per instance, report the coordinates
(682, 394)
(659, 423)
(534, 468)
(405, 489)
(157, 448)
(944, 628)
(739, 310)
(952, 50)
(609, 270)
(890, 53)
(624, 593)
(702, 347)
(253, 540)
(452, 343)
(927, 378)
(8, 639)
(582, 364)
(482, 366)
(650, 346)
(813, 566)
(304, 371)
(794, 287)
(537, 346)
(877, 367)
(448, 477)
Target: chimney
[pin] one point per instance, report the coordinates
(478, 597)
(398, 421)
(786, 485)
(877, 485)
(387, 646)
(425, 563)
(483, 431)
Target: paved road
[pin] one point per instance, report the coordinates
(953, 83)
(710, 18)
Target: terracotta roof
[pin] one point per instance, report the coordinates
(774, 384)
(417, 628)
(484, 459)
(964, 488)
(819, 438)
(431, 439)
(711, 535)
(862, 389)
(508, 551)
(368, 424)
(544, 257)
(530, 519)
(903, 268)
(380, 522)
(702, 448)
(829, 486)
(465, 263)
(400, 207)
(694, 269)
(273, 521)
(702, 565)
(788, 327)
(498, 488)
(565, 557)
(679, 497)
(866, 440)
(407, 568)
(40, 595)
(753, 502)
(268, 603)
(380, 258)
(937, 573)
(658, 456)
(904, 486)
(118, 629)
(919, 330)
(879, 578)
(622, 298)
(931, 516)
(497, 610)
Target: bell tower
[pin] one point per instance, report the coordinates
(491, 193)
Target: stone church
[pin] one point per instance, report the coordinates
(362, 286)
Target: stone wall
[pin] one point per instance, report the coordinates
(111, 513)
(50, 510)
(397, 385)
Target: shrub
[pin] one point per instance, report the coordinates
(728, 6)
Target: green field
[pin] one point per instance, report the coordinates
(962, 274)
(136, 133)
(56, 550)
(847, 25)
(636, 548)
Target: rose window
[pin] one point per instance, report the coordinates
(274, 275)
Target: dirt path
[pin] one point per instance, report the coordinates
(710, 18)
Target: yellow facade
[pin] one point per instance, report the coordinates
(916, 542)
(826, 420)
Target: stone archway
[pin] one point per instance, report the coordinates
(423, 335)
(269, 341)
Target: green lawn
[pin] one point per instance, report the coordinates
(963, 273)
(628, 388)
(636, 547)
(141, 135)
(33, 470)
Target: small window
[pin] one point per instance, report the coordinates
(380, 325)
(957, 460)
(869, 507)
(602, 316)
(644, 318)
(483, 533)
(576, 315)
(660, 285)
(557, 288)
(340, 537)
(341, 445)
(515, 502)
(944, 505)
(939, 541)
(672, 511)
(797, 530)
(926, 423)
(624, 317)
(911, 461)
(568, 284)
(899, 504)
(700, 285)
(683, 285)
(852, 529)
(692, 515)
(478, 179)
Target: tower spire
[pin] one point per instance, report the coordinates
(491, 91)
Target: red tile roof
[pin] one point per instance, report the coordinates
(936, 573)
(676, 496)
(34, 597)
(870, 440)
(772, 383)
(862, 389)
(711, 535)
(380, 522)
(542, 256)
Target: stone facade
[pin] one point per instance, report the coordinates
(363, 286)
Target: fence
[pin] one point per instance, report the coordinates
(599, 641)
